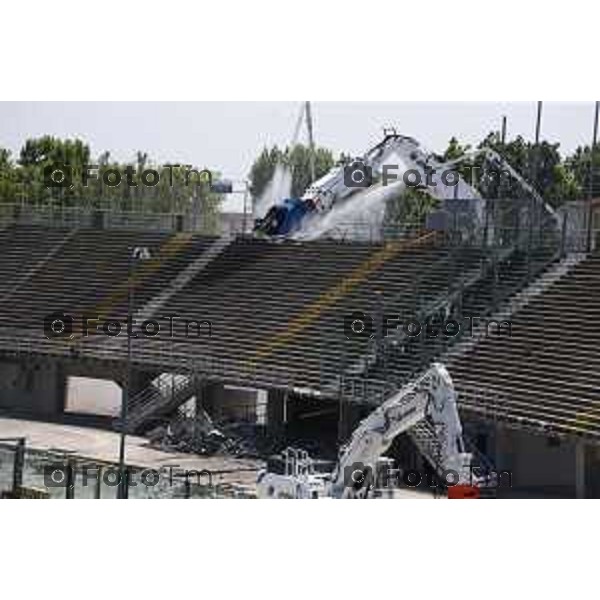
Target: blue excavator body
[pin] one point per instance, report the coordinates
(284, 218)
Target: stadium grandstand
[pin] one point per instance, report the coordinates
(244, 318)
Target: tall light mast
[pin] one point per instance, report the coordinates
(311, 141)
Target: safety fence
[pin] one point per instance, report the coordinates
(59, 474)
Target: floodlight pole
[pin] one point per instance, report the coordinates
(532, 204)
(591, 177)
(311, 141)
(123, 489)
(246, 193)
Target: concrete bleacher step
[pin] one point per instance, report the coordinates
(516, 303)
(400, 363)
(184, 277)
(170, 287)
(470, 278)
(39, 265)
(441, 300)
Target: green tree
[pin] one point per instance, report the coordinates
(8, 177)
(540, 165)
(586, 173)
(410, 207)
(176, 192)
(454, 150)
(38, 154)
(297, 159)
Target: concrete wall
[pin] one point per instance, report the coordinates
(229, 402)
(93, 396)
(34, 387)
(541, 466)
(567, 468)
(537, 461)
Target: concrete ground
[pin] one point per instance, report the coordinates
(100, 445)
(103, 446)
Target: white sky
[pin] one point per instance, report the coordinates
(226, 136)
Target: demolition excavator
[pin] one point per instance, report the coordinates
(424, 409)
(398, 161)
(392, 158)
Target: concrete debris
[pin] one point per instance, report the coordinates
(201, 436)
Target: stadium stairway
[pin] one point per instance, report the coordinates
(39, 265)
(79, 272)
(306, 351)
(162, 396)
(156, 303)
(544, 376)
(514, 304)
(469, 302)
(216, 248)
(277, 308)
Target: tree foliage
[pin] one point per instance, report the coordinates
(557, 179)
(298, 161)
(178, 188)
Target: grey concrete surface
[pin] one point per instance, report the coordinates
(102, 445)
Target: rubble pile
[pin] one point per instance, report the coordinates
(200, 435)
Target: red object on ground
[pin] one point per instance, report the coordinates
(462, 492)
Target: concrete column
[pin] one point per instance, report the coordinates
(210, 397)
(61, 390)
(580, 470)
(350, 415)
(497, 457)
(275, 412)
(32, 386)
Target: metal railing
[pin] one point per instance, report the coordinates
(60, 215)
(58, 474)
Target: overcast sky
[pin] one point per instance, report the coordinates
(226, 136)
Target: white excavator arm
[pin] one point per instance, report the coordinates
(395, 150)
(425, 409)
(431, 399)
(383, 168)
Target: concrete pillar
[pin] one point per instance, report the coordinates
(210, 397)
(61, 389)
(497, 457)
(580, 470)
(350, 414)
(276, 400)
(240, 404)
(31, 386)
